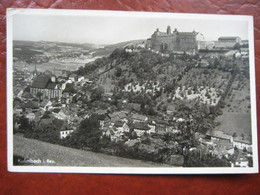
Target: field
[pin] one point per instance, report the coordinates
(236, 115)
(235, 123)
(55, 155)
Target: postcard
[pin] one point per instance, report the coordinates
(130, 92)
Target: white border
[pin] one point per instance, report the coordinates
(126, 170)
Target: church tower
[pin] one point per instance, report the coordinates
(35, 72)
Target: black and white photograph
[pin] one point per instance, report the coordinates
(130, 92)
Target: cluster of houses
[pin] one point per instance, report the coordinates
(116, 124)
(38, 93)
(226, 145)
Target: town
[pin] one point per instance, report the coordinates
(168, 99)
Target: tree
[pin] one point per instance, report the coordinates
(97, 94)
(88, 134)
(24, 123)
(151, 111)
(27, 89)
(118, 71)
(39, 95)
(69, 88)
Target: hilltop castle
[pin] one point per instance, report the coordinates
(173, 41)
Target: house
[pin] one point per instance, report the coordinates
(73, 77)
(199, 136)
(119, 116)
(204, 63)
(80, 78)
(121, 126)
(241, 143)
(65, 130)
(110, 133)
(138, 118)
(140, 128)
(152, 125)
(241, 160)
(171, 129)
(46, 104)
(229, 39)
(170, 109)
(225, 45)
(160, 129)
(232, 54)
(230, 150)
(244, 51)
(104, 120)
(218, 135)
(26, 95)
(30, 116)
(59, 114)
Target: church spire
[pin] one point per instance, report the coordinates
(35, 72)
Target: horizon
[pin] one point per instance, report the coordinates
(101, 29)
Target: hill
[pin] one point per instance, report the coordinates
(63, 156)
(108, 49)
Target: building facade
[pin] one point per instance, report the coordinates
(46, 85)
(173, 41)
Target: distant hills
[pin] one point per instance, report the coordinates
(88, 46)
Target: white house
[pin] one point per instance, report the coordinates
(30, 116)
(121, 127)
(80, 78)
(65, 133)
(241, 160)
(241, 143)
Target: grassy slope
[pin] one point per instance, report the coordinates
(237, 117)
(64, 156)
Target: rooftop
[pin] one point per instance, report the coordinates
(141, 126)
(43, 82)
(218, 134)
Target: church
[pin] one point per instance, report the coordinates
(173, 41)
(47, 85)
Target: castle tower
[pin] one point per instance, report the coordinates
(168, 30)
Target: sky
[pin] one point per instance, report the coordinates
(101, 30)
